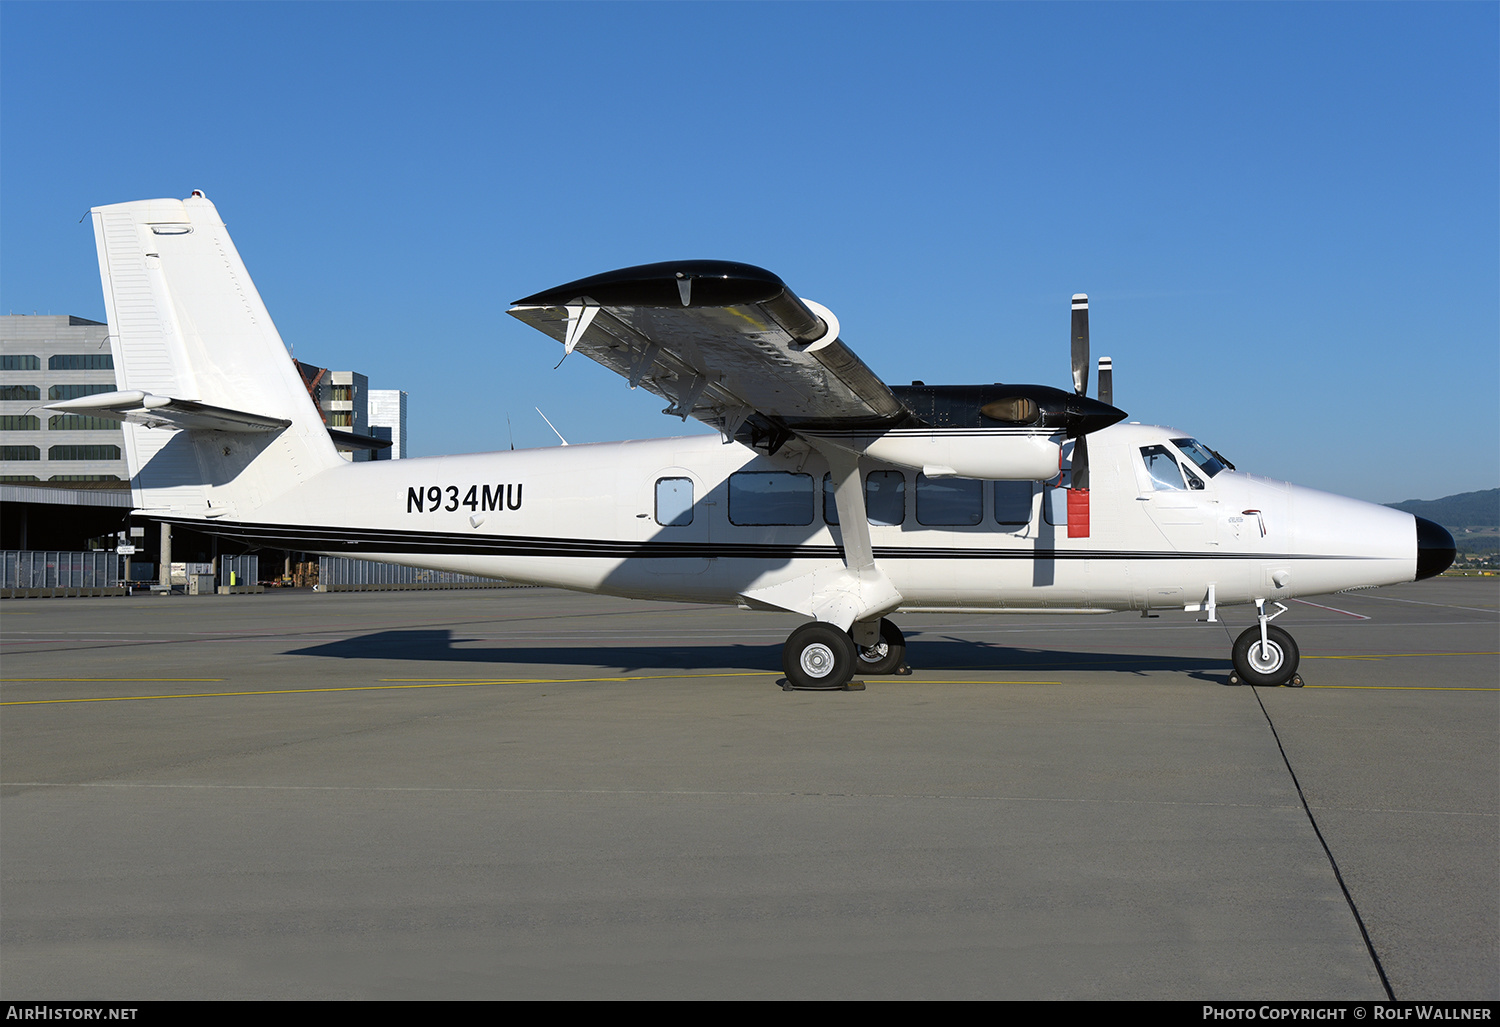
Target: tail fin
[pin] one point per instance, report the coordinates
(196, 351)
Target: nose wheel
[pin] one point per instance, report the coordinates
(1266, 655)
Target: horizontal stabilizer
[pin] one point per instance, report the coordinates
(164, 412)
(348, 440)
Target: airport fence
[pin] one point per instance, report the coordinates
(37, 573)
(344, 574)
(25, 572)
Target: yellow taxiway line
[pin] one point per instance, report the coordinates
(407, 683)
(399, 684)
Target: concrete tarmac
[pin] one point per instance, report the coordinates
(525, 793)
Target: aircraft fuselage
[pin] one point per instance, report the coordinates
(683, 519)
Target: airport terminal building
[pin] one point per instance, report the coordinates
(387, 415)
(44, 359)
(64, 481)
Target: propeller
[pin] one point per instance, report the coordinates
(1073, 413)
(1080, 386)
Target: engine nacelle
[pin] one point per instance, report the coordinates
(982, 453)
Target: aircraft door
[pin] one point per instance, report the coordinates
(1178, 500)
(679, 523)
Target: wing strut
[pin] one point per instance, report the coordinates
(849, 497)
(855, 596)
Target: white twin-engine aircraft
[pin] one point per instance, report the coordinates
(828, 493)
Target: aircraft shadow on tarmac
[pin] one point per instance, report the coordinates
(925, 652)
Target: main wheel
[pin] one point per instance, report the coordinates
(819, 655)
(1274, 667)
(886, 654)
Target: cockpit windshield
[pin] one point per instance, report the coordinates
(1164, 471)
(1201, 455)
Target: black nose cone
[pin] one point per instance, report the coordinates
(1435, 548)
(1089, 415)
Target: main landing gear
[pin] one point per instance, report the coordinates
(819, 655)
(1265, 655)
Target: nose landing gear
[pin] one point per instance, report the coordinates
(1266, 655)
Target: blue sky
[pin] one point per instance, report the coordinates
(1287, 216)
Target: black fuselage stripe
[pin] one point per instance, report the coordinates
(369, 540)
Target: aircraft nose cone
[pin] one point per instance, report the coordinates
(1087, 415)
(1435, 548)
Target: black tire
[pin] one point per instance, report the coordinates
(1257, 670)
(819, 655)
(885, 655)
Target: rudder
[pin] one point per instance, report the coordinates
(187, 323)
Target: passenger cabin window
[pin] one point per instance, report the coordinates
(885, 498)
(949, 501)
(1013, 503)
(1165, 472)
(770, 497)
(674, 502)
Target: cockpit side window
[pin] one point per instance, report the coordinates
(1163, 469)
(1201, 455)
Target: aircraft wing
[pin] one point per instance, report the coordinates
(719, 341)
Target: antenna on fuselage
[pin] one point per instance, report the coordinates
(552, 426)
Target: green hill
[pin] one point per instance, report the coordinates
(1472, 517)
(1465, 510)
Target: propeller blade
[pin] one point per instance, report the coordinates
(1106, 381)
(1078, 486)
(1081, 344)
(1080, 478)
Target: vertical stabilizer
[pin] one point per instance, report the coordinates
(186, 322)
